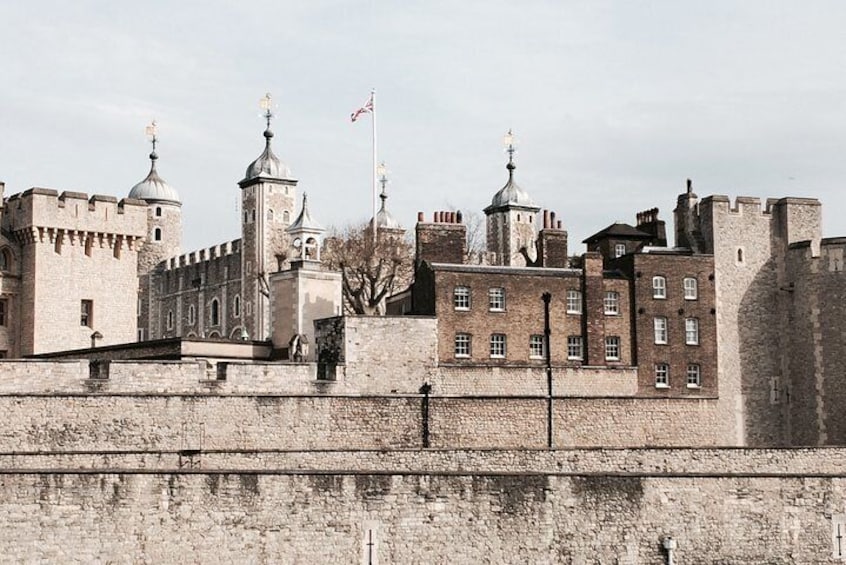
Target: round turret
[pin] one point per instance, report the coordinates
(267, 164)
(511, 194)
(153, 188)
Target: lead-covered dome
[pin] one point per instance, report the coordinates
(154, 188)
(511, 194)
(385, 219)
(267, 164)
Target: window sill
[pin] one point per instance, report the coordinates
(659, 297)
(612, 313)
(574, 359)
(694, 386)
(496, 309)
(497, 356)
(661, 386)
(457, 309)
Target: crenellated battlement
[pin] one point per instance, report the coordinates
(202, 255)
(43, 208)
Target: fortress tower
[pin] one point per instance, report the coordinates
(753, 295)
(511, 232)
(164, 214)
(164, 233)
(268, 198)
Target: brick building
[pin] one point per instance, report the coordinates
(629, 301)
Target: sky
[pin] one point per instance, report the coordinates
(613, 103)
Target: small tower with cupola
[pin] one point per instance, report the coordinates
(268, 198)
(164, 213)
(164, 235)
(387, 226)
(304, 293)
(511, 231)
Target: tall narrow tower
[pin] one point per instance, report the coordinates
(511, 231)
(164, 235)
(268, 199)
(164, 213)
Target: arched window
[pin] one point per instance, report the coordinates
(739, 255)
(170, 319)
(286, 217)
(191, 315)
(215, 312)
(158, 211)
(5, 259)
(311, 249)
(236, 306)
(157, 234)
(270, 214)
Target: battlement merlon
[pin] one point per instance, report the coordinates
(75, 211)
(202, 255)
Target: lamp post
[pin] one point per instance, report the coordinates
(547, 297)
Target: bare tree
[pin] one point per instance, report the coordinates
(369, 274)
(476, 238)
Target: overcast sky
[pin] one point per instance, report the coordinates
(614, 104)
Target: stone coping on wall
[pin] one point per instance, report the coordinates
(687, 462)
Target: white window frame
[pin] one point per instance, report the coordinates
(574, 301)
(662, 375)
(497, 346)
(659, 287)
(575, 351)
(691, 331)
(694, 375)
(619, 250)
(660, 330)
(612, 348)
(537, 348)
(612, 303)
(496, 299)
(461, 298)
(462, 345)
(691, 288)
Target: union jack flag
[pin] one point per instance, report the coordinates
(366, 109)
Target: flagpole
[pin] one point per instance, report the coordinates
(373, 170)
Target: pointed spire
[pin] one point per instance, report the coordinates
(266, 104)
(384, 219)
(152, 131)
(508, 141)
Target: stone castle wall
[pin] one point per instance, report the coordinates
(501, 507)
(749, 244)
(816, 297)
(181, 405)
